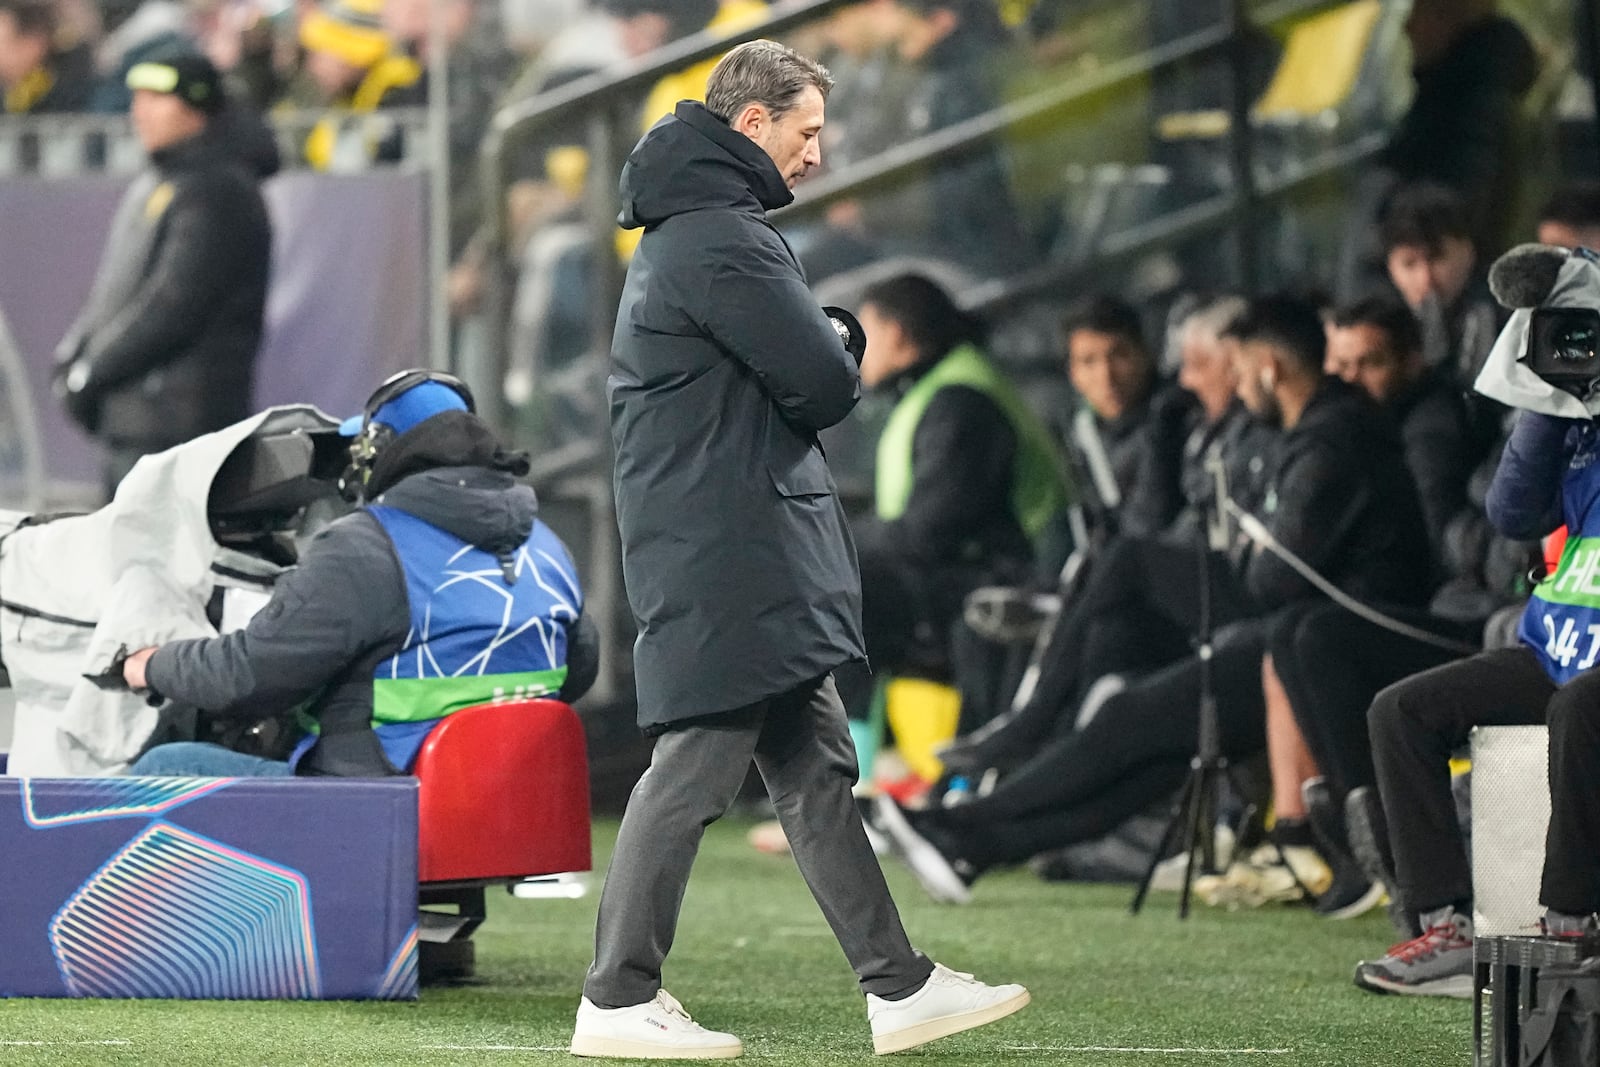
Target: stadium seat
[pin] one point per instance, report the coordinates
(503, 795)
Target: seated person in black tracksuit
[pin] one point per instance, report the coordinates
(1172, 493)
(1330, 662)
(1339, 498)
(1113, 374)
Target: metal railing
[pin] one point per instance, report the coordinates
(56, 146)
(599, 101)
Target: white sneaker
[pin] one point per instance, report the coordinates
(657, 1030)
(948, 1003)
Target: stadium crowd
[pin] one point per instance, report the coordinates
(1344, 423)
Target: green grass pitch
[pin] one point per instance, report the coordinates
(1269, 988)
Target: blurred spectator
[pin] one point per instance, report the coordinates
(960, 51)
(649, 24)
(165, 347)
(1571, 219)
(1433, 262)
(133, 32)
(352, 64)
(1472, 67)
(1113, 374)
(1173, 492)
(478, 67)
(37, 75)
(869, 81)
(1328, 662)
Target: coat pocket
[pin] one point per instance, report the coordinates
(809, 477)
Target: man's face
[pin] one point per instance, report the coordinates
(888, 352)
(162, 120)
(1255, 363)
(1107, 370)
(793, 138)
(1364, 355)
(1441, 272)
(1207, 372)
(20, 53)
(1566, 236)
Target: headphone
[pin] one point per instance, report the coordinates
(376, 436)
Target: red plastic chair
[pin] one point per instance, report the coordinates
(503, 795)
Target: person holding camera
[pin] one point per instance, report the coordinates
(1547, 477)
(374, 634)
(739, 565)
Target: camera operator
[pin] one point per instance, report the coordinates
(1547, 476)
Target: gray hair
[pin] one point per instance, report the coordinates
(765, 73)
(1211, 319)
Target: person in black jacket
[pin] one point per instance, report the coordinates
(165, 348)
(1330, 662)
(739, 565)
(444, 591)
(1472, 67)
(1339, 498)
(1376, 344)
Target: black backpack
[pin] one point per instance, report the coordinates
(1563, 1030)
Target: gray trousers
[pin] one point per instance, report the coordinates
(801, 745)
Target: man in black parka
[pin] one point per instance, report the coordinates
(739, 566)
(164, 350)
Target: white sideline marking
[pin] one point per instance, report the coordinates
(38, 1044)
(495, 1048)
(1152, 1051)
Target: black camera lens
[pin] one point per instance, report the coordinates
(1576, 344)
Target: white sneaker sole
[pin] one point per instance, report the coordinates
(1457, 986)
(935, 874)
(914, 1036)
(623, 1048)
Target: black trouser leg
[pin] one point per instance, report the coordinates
(1332, 663)
(1013, 841)
(1571, 882)
(1416, 726)
(1153, 721)
(1141, 597)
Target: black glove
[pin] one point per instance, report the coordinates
(851, 335)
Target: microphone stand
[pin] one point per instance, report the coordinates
(1194, 814)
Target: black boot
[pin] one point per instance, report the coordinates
(1369, 843)
(1352, 891)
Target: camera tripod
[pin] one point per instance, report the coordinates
(1194, 814)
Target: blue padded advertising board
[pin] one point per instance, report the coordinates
(209, 888)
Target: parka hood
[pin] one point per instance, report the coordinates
(691, 160)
